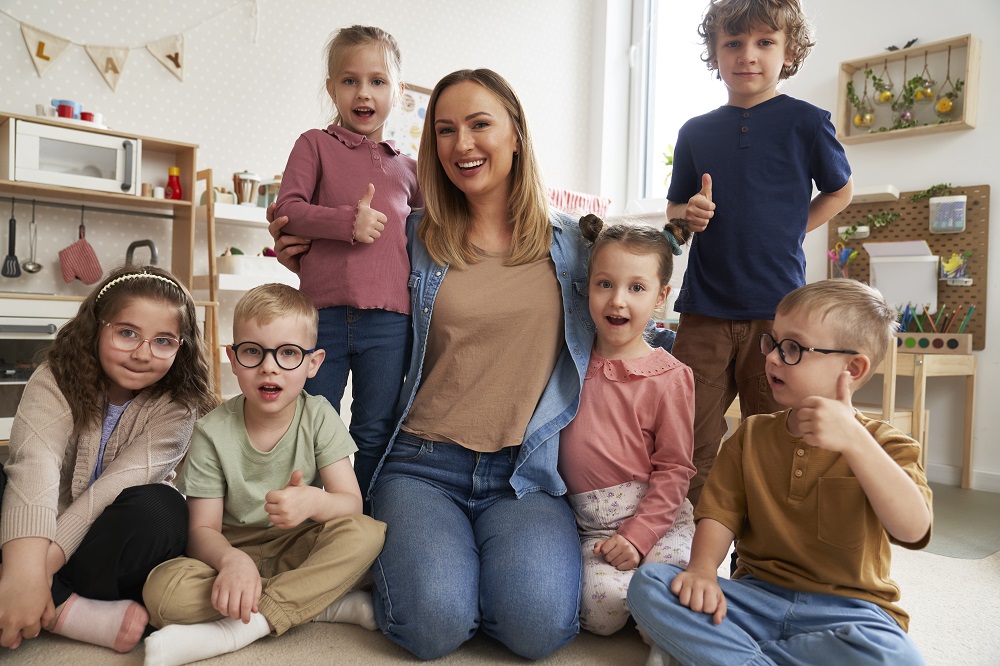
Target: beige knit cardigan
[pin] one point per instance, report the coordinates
(48, 470)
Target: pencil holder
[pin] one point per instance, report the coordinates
(934, 343)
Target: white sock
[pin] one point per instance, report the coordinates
(183, 643)
(657, 657)
(354, 608)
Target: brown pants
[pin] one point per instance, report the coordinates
(303, 570)
(724, 355)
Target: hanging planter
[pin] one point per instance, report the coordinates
(884, 94)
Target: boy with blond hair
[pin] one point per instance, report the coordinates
(814, 495)
(743, 179)
(267, 550)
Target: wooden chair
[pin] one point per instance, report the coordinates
(889, 411)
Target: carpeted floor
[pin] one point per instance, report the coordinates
(965, 523)
(952, 603)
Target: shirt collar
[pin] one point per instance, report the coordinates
(353, 140)
(656, 362)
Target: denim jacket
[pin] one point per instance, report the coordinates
(536, 462)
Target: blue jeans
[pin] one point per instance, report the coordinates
(767, 624)
(462, 553)
(374, 346)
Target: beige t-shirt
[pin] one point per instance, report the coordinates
(494, 339)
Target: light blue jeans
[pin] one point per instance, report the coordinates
(767, 624)
(462, 553)
(374, 346)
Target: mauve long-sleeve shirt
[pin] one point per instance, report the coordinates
(327, 174)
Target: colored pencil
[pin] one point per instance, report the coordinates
(939, 315)
(954, 316)
(930, 319)
(966, 320)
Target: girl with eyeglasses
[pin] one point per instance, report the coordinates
(88, 509)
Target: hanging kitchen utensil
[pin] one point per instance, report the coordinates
(11, 268)
(153, 255)
(31, 265)
(79, 259)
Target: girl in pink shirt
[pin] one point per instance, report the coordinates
(348, 193)
(626, 457)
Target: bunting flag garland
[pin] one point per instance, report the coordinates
(109, 60)
(169, 51)
(43, 47)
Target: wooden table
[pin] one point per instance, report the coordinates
(922, 366)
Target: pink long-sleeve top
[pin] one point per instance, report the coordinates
(635, 423)
(327, 174)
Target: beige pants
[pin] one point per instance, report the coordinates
(599, 514)
(303, 570)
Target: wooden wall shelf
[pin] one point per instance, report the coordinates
(965, 56)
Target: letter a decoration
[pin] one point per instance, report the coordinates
(43, 47)
(170, 52)
(109, 60)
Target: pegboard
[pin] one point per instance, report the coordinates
(914, 224)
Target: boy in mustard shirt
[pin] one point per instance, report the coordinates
(813, 496)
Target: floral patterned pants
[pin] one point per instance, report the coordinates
(599, 514)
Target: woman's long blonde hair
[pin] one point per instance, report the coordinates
(445, 224)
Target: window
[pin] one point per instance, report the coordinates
(673, 86)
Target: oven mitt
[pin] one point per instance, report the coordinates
(80, 261)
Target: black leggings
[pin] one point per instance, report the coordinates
(143, 527)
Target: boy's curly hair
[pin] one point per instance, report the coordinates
(73, 360)
(736, 17)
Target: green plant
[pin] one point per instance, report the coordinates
(939, 190)
(852, 95)
(668, 160)
(876, 220)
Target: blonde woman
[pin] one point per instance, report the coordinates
(479, 533)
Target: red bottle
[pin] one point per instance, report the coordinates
(173, 190)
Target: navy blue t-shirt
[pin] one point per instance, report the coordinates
(763, 162)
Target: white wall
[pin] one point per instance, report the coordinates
(850, 29)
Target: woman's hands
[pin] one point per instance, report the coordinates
(288, 248)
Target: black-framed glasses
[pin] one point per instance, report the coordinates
(790, 351)
(288, 357)
(126, 338)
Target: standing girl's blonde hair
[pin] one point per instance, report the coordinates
(346, 40)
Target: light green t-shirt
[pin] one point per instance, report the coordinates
(223, 463)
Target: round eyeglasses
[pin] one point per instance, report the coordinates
(126, 338)
(790, 351)
(288, 357)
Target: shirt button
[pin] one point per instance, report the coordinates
(425, 310)
(576, 350)
(800, 452)
(570, 310)
(564, 273)
(798, 474)
(746, 114)
(744, 129)
(437, 274)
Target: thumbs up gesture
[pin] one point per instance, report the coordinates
(369, 223)
(829, 423)
(289, 506)
(700, 208)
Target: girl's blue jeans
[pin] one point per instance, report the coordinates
(767, 624)
(374, 346)
(462, 552)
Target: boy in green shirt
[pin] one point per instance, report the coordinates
(267, 550)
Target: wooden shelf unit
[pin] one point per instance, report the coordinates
(965, 56)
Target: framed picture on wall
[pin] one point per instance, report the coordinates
(406, 121)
